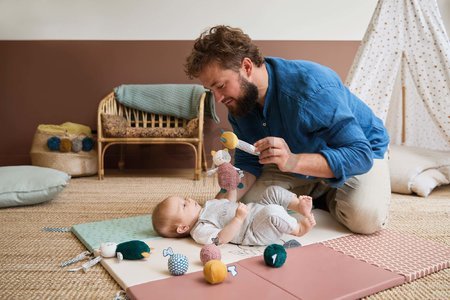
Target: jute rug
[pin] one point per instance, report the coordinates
(30, 257)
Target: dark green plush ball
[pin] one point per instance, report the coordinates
(133, 249)
(275, 255)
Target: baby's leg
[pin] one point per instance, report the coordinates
(302, 205)
(305, 225)
(268, 225)
(277, 195)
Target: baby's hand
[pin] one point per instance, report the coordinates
(241, 211)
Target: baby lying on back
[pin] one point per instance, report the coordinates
(222, 220)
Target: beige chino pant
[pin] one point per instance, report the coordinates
(361, 204)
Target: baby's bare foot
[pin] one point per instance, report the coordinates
(304, 205)
(306, 224)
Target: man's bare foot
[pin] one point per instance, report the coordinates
(304, 205)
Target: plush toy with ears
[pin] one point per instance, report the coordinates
(229, 177)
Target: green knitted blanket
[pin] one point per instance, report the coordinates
(179, 100)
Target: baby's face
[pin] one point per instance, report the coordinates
(186, 209)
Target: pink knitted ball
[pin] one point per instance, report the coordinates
(209, 252)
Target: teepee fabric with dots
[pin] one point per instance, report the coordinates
(406, 45)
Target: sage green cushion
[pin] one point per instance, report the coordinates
(25, 185)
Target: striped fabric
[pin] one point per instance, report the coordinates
(179, 100)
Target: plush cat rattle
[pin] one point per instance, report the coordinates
(228, 175)
(231, 141)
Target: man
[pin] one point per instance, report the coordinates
(314, 136)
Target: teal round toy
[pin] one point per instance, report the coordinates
(53, 143)
(87, 144)
(275, 255)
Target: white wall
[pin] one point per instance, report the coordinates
(185, 19)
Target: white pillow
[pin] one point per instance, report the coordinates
(417, 170)
(426, 181)
(25, 185)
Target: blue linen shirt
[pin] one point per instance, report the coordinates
(308, 106)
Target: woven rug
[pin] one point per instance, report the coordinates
(30, 257)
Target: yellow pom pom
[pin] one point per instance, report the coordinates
(229, 139)
(215, 271)
(65, 146)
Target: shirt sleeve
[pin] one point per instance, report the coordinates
(242, 159)
(347, 150)
(204, 233)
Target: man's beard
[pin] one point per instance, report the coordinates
(247, 101)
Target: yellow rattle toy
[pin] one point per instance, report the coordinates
(231, 141)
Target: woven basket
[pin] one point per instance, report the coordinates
(75, 164)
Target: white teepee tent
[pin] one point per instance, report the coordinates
(402, 71)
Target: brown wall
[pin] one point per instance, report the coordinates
(52, 82)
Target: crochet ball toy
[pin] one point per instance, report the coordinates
(291, 244)
(131, 250)
(210, 252)
(215, 271)
(178, 264)
(275, 255)
(88, 144)
(53, 143)
(65, 145)
(77, 145)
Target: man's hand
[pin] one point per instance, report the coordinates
(241, 211)
(274, 150)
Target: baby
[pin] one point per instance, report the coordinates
(223, 221)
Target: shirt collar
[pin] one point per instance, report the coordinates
(269, 92)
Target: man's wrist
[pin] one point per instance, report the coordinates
(293, 163)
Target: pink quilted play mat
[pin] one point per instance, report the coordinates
(397, 252)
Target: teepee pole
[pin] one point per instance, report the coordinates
(403, 113)
(402, 70)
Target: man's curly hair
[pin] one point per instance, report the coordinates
(224, 45)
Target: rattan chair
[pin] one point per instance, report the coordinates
(137, 118)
